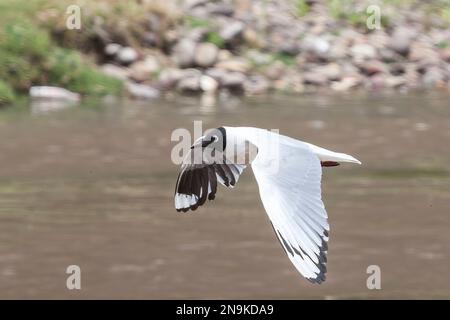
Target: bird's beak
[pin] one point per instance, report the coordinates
(198, 143)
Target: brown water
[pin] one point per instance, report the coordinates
(92, 186)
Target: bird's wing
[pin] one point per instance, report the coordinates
(197, 181)
(292, 199)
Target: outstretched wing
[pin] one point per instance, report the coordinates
(292, 199)
(197, 181)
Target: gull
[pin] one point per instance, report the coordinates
(288, 173)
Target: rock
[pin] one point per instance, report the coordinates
(208, 84)
(317, 46)
(227, 79)
(223, 9)
(421, 50)
(315, 78)
(232, 32)
(53, 93)
(290, 47)
(126, 55)
(253, 39)
(168, 78)
(255, 85)
(275, 70)
(372, 67)
(191, 4)
(235, 64)
(434, 77)
(151, 39)
(377, 81)
(362, 52)
(141, 91)
(290, 82)
(143, 70)
(412, 76)
(338, 51)
(224, 55)
(331, 71)
(196, 34)
(233, 80)
(401, 40)
(189, 84)
(111, 49)
(115, 71)
(397, 69)
(395, 81)
(388, 55)
(445, 54)
(259, 58)
(346, 83)
(184, 53)
(206, 54)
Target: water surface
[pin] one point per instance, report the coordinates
(92, 185)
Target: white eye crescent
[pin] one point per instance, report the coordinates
(215, 138)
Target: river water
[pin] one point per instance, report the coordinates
(92, 186)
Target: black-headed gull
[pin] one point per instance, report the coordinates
(288, 172)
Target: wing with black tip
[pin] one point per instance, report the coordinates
(197, 181)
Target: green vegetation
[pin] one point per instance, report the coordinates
(302, 7)
(194, 22)
(6, 93)
(29, 56)
(347, 10)
(284, 58)
(216, 39)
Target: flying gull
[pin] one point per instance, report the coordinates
(288, 173)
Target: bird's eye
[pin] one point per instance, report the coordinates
(215, 138)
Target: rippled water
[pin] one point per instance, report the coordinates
(92, 185)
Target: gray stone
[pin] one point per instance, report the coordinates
(111, 49)
(184, 53)
(235, 64)
(168, 78)
(232, 32)
(401, 39)
(315, 78)
(141, 91)
(363, 51)
(53, 93)
(143, 70)
(331, 71)
(346, 83)
(233, 80)
(208, 84)
(318, 46)
(275, 70)
(206, 54)
(223, 9)
(115, 71)
(434, 77)
(226, 78)
(372, 67)
(389, 55)
(126, 55)
(189, 84)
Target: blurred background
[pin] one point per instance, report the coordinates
(91, 91)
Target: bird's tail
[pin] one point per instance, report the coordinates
(331, 156)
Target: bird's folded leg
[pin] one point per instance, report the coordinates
(329, 163)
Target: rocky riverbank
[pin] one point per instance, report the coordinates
(253, 47)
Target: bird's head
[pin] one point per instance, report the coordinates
(213, 139)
